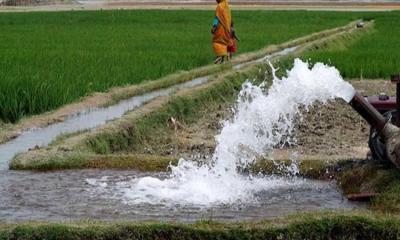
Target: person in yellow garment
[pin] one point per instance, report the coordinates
(221, 31)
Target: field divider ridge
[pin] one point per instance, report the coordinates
(89, 149)
(117, 94)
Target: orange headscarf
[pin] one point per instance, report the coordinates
(222, 36)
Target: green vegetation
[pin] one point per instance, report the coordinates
(134, 134)
(48, 59)
(94, 51)
(152, 130)
(367, 177)
(375, 55)
(80, 160)
(146, 130)
(309, 168)
(317, 226)
(373, 177)
(389, 200)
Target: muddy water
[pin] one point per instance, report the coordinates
(95, 194)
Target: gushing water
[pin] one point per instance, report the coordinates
(263, 119)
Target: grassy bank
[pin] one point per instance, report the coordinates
(376, 55)
(317, 226)
(53, 58)
(373, 177)
(142, 130)
(187, 107)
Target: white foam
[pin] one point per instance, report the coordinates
(263, 120)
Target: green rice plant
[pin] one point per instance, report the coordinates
(375, 55)
(48, 59)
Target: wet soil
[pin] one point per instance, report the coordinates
(330, 131)
(333, 129)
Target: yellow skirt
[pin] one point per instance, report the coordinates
(220, 49)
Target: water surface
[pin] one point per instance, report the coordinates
(97, 194)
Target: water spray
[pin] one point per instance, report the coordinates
(263, 119)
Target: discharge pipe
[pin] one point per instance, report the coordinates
(389, 133)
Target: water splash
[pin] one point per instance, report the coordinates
(264, 119)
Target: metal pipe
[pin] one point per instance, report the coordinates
(389, 133)
(368, 112)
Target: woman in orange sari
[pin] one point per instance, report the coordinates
(221, 31)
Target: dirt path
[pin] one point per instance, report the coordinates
(307, 5)
(237, 5)
(207, 5)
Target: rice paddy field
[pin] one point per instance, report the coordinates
(165, 167)
(48, 59)
(375, 55)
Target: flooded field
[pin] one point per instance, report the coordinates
(101, 195)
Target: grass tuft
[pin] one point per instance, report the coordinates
(330, 226)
